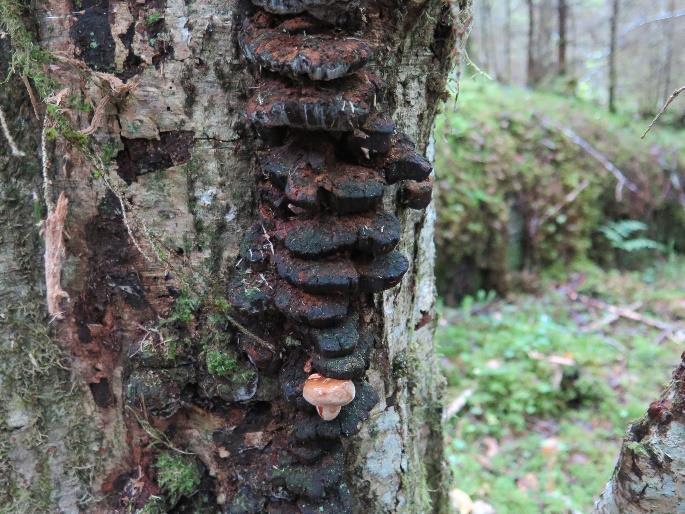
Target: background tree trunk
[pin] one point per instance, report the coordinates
(615, 6)
(151, 244)
(648, 476)
(531, 65)
(508, 42)
(668, 52)
(562, 8)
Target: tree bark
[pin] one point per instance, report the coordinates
(648, 476)
(613, 23)
(149, 388)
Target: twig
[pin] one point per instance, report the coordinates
(673, 96)
(156, 435)
(457, 404)
(10, 140)
(609, 319)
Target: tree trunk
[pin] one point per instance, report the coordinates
(531, 69)
(562, 8)
(648, 477)
(168, 374)
(615, 6)
(668, 57)
(508, 42)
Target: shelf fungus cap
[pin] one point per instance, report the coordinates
(328, 395)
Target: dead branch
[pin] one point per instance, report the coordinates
(673, 96)
(609, 319)
(53, 230)
(674, 332)
(570, 134)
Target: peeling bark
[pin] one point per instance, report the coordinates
(149, 358)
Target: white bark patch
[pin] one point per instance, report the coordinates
(381, 457)
(177, 23)
(156, 105)
(122, 21)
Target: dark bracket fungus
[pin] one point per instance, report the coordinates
(324, 242)
(376, 232)
(337, 12)
(416, 195)
(301, 49)
(339, 106)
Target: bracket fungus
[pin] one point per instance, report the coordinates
(328, 395)
(326, 234)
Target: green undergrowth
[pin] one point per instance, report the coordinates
(515, 195)
(550, 386)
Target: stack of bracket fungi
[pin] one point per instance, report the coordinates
(323, 243)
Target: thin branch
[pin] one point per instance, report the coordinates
(673, 96)
(32, 96)
(10, 140)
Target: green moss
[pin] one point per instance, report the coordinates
(28, 57)
(538, 375)
(178, 475)
(220, 363)
(35, 372)
(154, 505)
(153, 17)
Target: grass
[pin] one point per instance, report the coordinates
(550, 400)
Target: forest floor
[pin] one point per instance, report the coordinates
(542, 387)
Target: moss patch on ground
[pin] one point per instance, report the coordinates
(516, 195)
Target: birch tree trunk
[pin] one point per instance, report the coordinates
(648, 478)
(142, 389)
